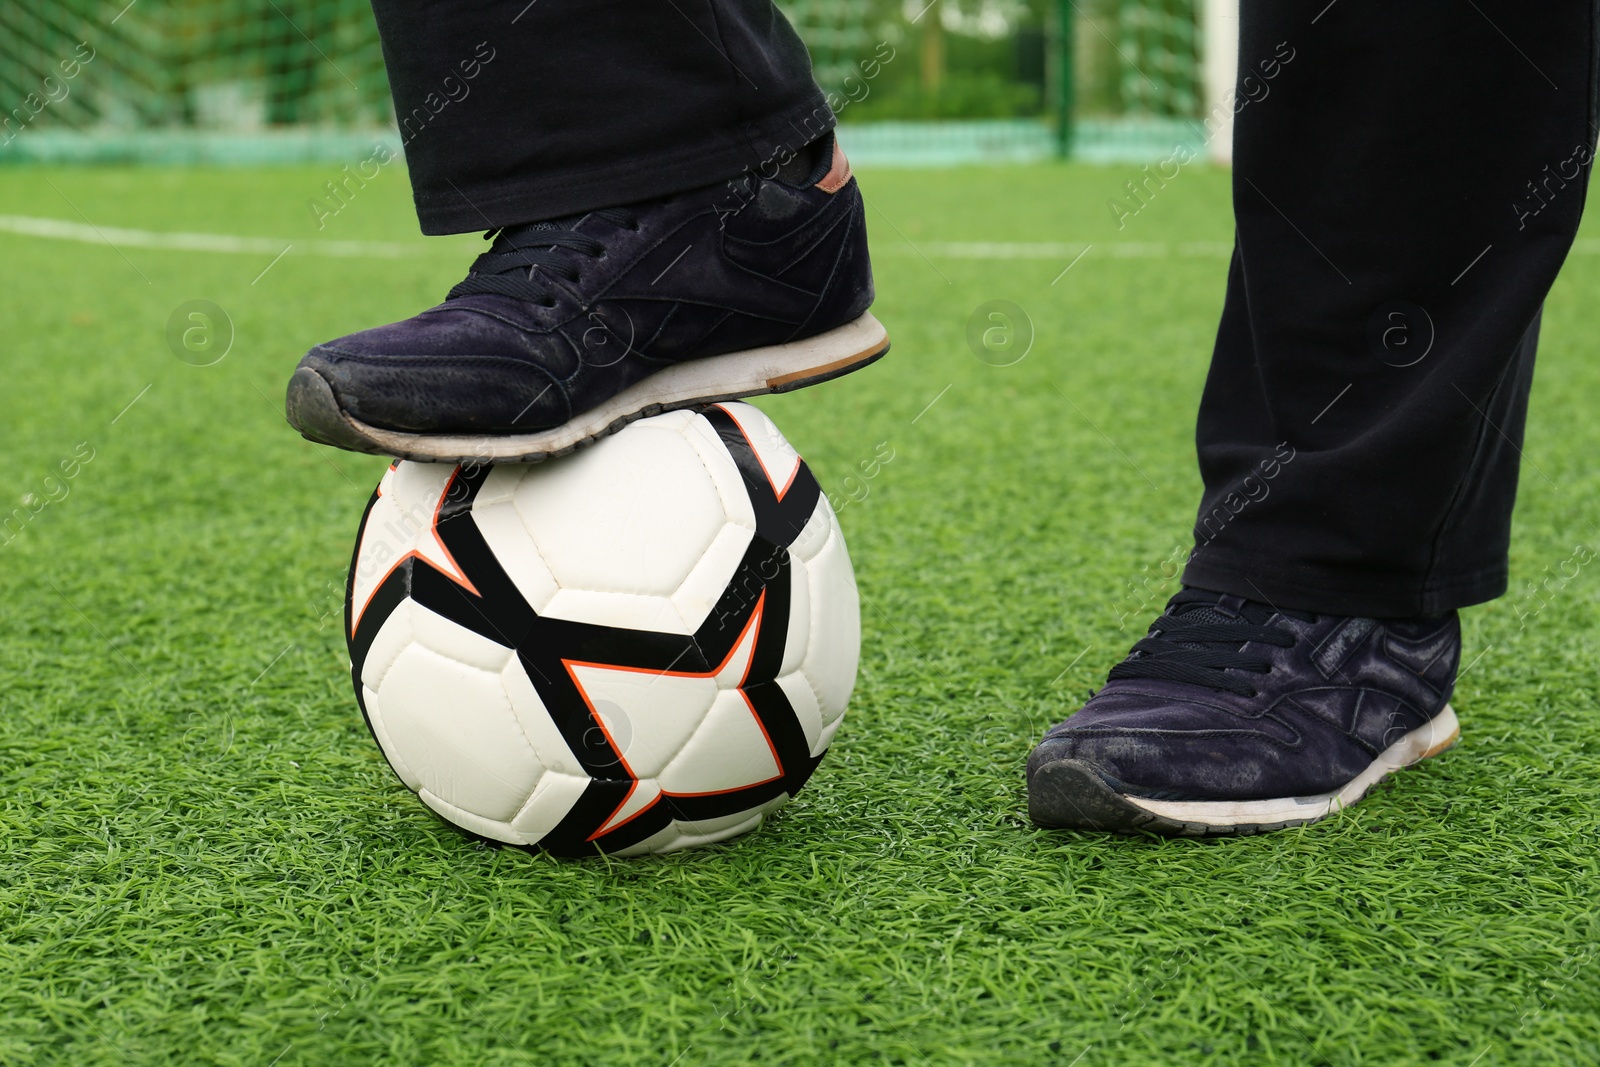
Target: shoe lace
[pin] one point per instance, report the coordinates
(1195, 642)
(510, 266)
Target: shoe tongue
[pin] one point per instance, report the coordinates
(1226, 609)
(1203, 613)
(511, 238)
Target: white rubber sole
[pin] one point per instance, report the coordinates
(314, 411)
(1429, 740)
(1071, 794)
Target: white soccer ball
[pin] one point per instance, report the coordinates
(643, 646)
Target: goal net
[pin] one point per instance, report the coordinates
(264, 80)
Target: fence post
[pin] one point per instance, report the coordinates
(1063, 64)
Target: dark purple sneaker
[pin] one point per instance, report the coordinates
(567, 330)
(1232, 717)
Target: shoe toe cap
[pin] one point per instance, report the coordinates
(1192, 749)
(479, 325)
(1115, 757)
(417, 393)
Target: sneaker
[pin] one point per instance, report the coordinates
(1232, 717)
(567, 330)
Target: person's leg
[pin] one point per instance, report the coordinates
(513, 112)
(1404, 197)
(674, 225)
(1405, 189)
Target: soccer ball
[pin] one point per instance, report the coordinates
(643, 646)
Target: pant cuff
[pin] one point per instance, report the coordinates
(1323, 591)
(554, 192)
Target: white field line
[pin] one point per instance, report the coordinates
(1584, 246)
(1069, 249)
(67, 230)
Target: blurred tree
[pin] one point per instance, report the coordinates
(932, 22)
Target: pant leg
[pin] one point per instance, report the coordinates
(1406, 186)
(514, 111)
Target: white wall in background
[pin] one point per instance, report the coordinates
(1219, 65)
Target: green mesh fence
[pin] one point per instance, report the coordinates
(1138, 58)
(1160, 74)
(256, 81)
(839, 33)
(210, 64)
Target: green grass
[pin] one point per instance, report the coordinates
(206, 859)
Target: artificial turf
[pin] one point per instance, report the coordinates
(207, 860)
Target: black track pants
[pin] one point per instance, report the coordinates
(515, 111)
(1405, 189)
